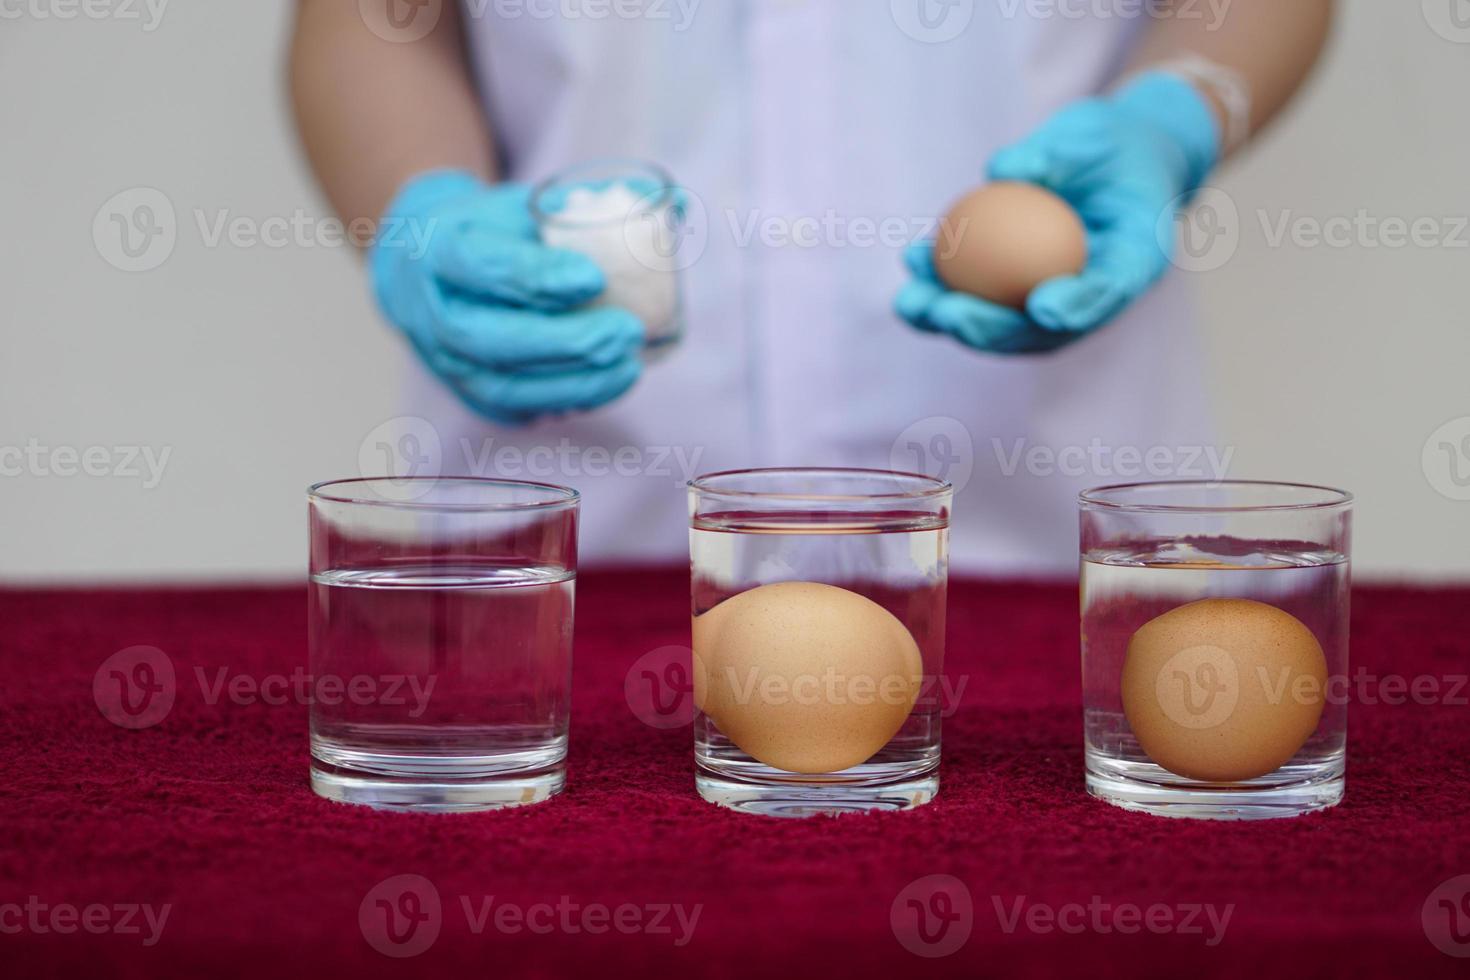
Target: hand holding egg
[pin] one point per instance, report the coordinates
(1124, 164)
(992, 250)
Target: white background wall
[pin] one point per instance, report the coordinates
(260, 369)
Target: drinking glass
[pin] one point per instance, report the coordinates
(628, 217)
(1148, 550)
(440, 620)
(881, 535)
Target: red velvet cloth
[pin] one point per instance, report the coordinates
(210, 812)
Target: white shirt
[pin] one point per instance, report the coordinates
(816, 137)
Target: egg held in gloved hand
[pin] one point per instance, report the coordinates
(1003, 240)
(1122, 163)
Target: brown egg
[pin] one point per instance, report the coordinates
(805, 677)
(1223, 690)
(1005, 239)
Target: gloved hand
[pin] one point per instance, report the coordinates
(459, 269)
(1121, 162)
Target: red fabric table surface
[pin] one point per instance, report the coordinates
(209, 812)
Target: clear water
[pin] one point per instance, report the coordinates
(466, 671)
(898, 560)
(1124, 589)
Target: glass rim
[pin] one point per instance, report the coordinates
(932, 488)
(666, 194)
(559, 497)
(1097, 497)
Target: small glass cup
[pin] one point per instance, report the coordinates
(627, 216)
(440, 619)
(882, 540)
(1212, 711)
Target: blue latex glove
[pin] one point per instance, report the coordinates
(493, 312)
(1121, 162)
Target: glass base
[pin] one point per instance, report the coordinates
(805, 796)
(436, 783)
(436, 797)
(1145, 787)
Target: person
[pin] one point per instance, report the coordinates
(778, 115)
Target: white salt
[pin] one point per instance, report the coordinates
(633, 238)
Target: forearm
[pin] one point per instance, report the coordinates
(1271, 44)
(371, 113)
